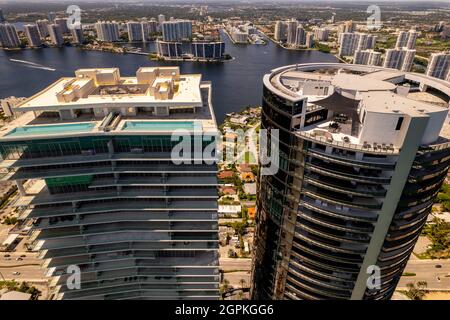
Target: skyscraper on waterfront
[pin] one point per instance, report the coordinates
(104, 192)
(321, 34)
(135, 31)
(149, 28)
(439, 65)
(8, 36)
(62, 23)
(309, 42)
(32, 33)
(280, 31)
(107, 31)
(176, 30)
(43, 28)
(300, 36)
(77, 35)
(208, 50)
(361, 160)
(56, 35)
(291, 26)
(169, 49)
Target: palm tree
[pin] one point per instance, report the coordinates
(242, 282)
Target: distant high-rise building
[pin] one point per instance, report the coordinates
(291, 31)
(169, 49)
(8, 36)
(321, 34)
(406, 39)
(43, 28)
(402, 39)
(445, 32)
(77, 35)
(350, 42)
(333, 18)
(149, 28)
(399, 58)
(280, 31)
(309, 40)
(394, 58)
(300, 36)
(33, 36)
(2, 17)
(347, 201)
(412, 37)
(238, 35)
(56, 35)
(347, 27)
(439, 65)
(62, 23)
(439, 27)
(408, 60)
(161, 18)
(177, 30)
(51, 17)
(135, 32)
(107, 31)
(367, 57)
(208, 50)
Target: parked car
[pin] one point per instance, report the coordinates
(16, 273)
(438, 266)
(7, 255)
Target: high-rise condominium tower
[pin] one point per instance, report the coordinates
(280, 31)
(56, 34)
(176, 30)
(33, 36)
(439, 66)
(92, 159)
(8, 36)
(43, 27)
(107, 31)
(135, 31)
(361, 159)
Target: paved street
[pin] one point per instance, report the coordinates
(29, 267)
(241, 264)
(426, 270)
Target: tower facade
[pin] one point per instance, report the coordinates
(360, 163)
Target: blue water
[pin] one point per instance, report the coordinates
(160, 125)
(52, 129)
(236, 84)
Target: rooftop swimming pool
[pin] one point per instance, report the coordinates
(161, 125)
(51, 129)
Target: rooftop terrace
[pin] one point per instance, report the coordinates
(100, 101)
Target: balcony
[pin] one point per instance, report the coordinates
(127, 216)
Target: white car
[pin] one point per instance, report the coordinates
(16, 273)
